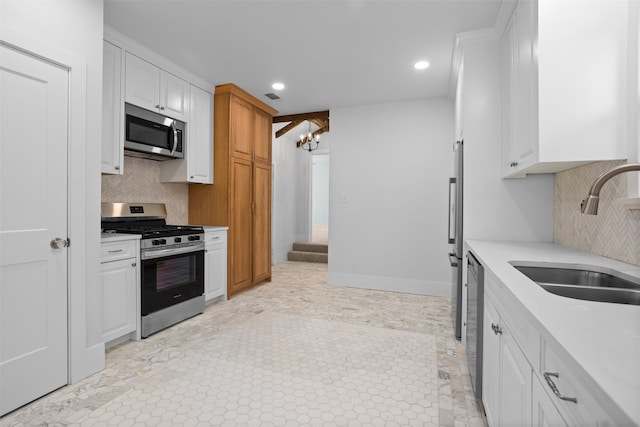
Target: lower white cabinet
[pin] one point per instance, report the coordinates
(119, 283)
(544, 412)
(215, 265)
(528, 379)
(506, 373)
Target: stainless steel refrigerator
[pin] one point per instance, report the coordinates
(455, 237)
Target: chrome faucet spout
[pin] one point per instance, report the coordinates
(590, 204)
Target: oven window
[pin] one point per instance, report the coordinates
(175, 272)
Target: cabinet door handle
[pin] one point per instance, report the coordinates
(496, 329)
(554, 388)
(133, 264)
(215, 238)
(157, 105)
(117, 168)
(116, 251)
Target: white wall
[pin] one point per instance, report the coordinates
(390, 165)
(496, 208)
(70, 32)
(289, 205)
(320, 189)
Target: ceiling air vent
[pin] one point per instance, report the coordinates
(271, 95)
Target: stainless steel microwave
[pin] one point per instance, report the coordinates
(151, 135)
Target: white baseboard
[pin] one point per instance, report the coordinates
(409, 286)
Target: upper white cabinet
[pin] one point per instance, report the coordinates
(134, 74)
(153, 88)
(112, 115)
(197, 166)
(565, 77)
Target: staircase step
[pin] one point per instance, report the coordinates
(308, 256)
(311, 247)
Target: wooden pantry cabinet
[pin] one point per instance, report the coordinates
(240, 197)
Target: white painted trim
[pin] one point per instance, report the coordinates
(82, 360)
(465, 39)
(504, 16)
(310, 191)
(391, 284)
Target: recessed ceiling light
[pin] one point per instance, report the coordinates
(278, 86)
(421, 65)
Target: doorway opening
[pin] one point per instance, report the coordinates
(320, 198)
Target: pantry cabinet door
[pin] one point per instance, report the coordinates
(261, 223)
(241, 134)
(240, 226)
(34, 105)
(262, 136)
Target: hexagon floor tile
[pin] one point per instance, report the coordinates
(291, 352)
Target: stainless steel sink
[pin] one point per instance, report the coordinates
(589, 283)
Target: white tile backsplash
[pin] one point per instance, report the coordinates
(614, 232)
(141, 183)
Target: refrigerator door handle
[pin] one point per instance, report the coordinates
(452, 210)
(453, 259)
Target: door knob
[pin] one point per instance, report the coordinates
(58, 243)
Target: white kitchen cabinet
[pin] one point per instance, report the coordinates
(153, 88)
(197, 166)
(215, 268)
(506, 373)
(119, 283)
(112, 114)
(543, 411)
(565, 97)
(572, 394)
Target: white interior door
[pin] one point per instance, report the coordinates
(34, 108)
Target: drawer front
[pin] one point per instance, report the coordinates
(113, 251)
(215, 237)
(555, 371)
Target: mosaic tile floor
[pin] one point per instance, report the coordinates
(292, 352)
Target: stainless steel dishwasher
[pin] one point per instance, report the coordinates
(475, 312)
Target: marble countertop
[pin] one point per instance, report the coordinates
(118, 237)
(214, 228)
(602, 338)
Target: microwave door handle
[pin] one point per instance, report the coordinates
(175, 137)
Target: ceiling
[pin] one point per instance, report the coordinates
(328, 53)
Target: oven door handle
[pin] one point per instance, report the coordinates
(159, 253)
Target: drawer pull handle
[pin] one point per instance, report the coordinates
(554, 388)
(116, 251)
(496, 329)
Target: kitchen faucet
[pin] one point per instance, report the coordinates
(590, 204)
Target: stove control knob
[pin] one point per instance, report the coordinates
(192, 238)
(163, 241)
(177, 239)
(155, 242)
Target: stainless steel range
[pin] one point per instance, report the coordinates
(172, 257)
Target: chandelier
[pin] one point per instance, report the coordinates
(309, 142)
